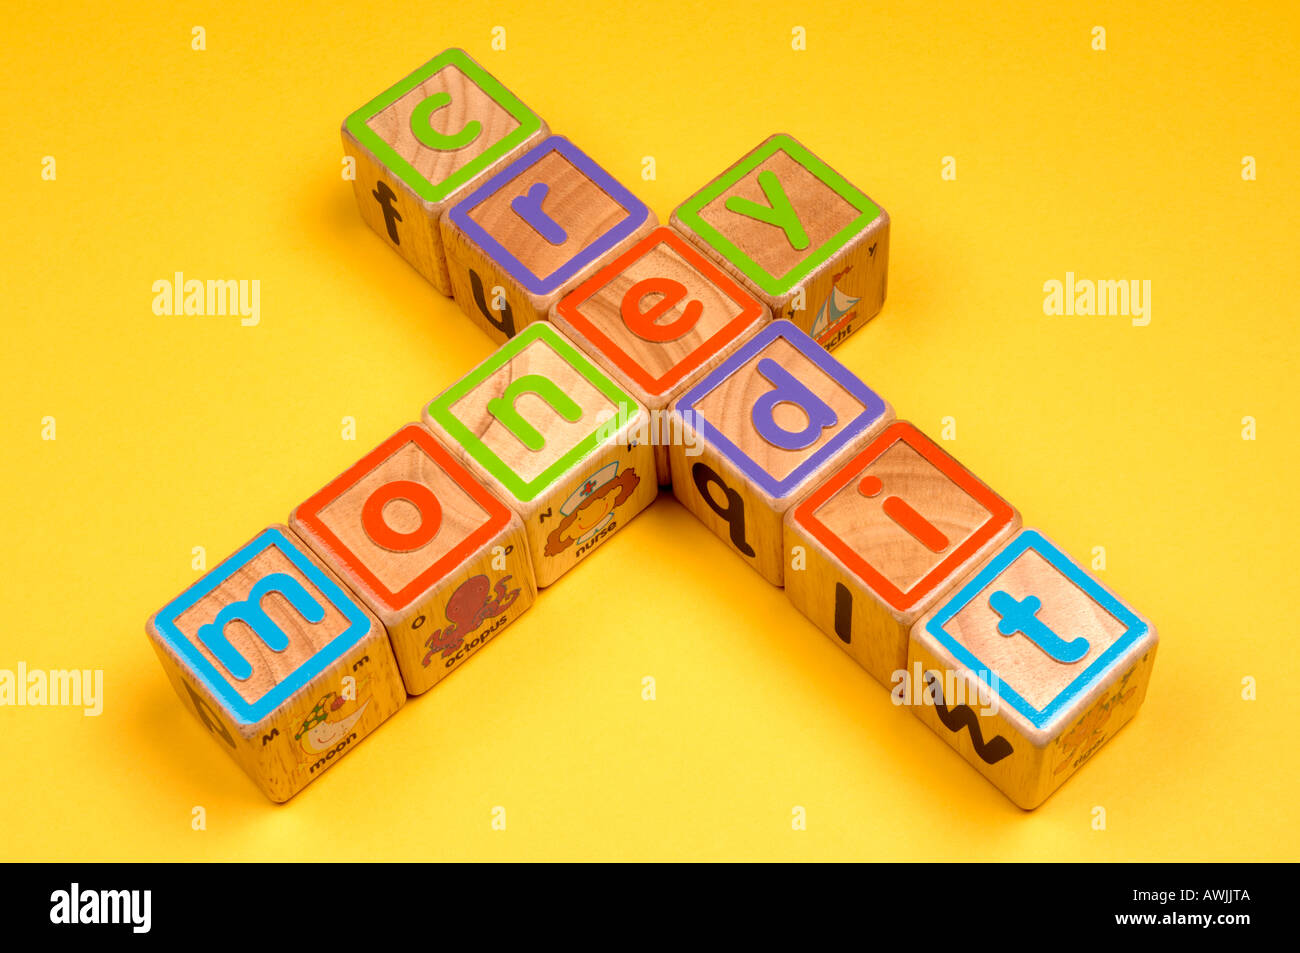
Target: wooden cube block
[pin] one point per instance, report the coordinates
(885, 538)
(1029, 668)
(657, 318)
(554, 437)
(813, 247)
(433, 553)
(423, 143)
(760, 430)
(534, 230)
(279, 662)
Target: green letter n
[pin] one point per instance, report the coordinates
(503, 407)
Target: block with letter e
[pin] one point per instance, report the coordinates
(812, 246)
(1029, 668)
(657, 318)
(883, 538)
(556, 438)
(421, 144)
(432, 552)
(535, 229)
(282, 665)
(760, 430)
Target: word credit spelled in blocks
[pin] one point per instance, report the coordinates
(278, 660)
(884, 538)
(432, 552)
(534, 230)
(556, 438)
(657, 318)
(420, 145)
(1029, 668)
(761, 429)
(813, 247)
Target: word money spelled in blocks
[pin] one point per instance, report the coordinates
(657, 318)
(813, 247)
(535, 229)
(421, 144)
(432, 552)
(556, 438)
(279, 661)
(1029, 668)
(760, 430)
(884, 538)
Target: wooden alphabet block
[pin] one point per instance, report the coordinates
(423, 143)
(760, 430)
(884, 538)
(279, 662)
(657, 318)
(1029, 668)
(534, 230)
(811, 246)
(554, 437)
(432, 552)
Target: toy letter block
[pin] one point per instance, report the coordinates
(810, 245)
(658, 318)
(424, 142)
(441, 561)
(278, 661)
(1029, 668)
(555, 438)
(533, 231)
(884, 538)
(760, 430)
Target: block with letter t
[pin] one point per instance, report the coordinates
(1029, 668)
(556, 438)
(812, 246)
(282, 665)
(423, 143)
(760, 430)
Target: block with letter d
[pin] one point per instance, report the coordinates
(556, 438)
(432, 552)
(282, 665)
(760, 430)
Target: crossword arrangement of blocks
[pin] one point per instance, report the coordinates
(634, 356)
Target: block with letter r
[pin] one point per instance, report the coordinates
(760, 430)
(556, 438)
(1029, 667)
(426, 141)
(278, 660)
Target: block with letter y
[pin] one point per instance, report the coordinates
(555, 438)
(285, 668)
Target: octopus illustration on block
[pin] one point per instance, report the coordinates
(474, 602)
(590, 508)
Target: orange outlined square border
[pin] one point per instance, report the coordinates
(750, 310)
(1001, 514)
(498, 516)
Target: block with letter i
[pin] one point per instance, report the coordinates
(556, 438)
(1029, 667)
(432, 552)
(811, 245)
(420, 145)
(886, 536)
(760, 430)
(534, 230)
(282, 665)
(657, 318)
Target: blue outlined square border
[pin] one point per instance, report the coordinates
(873, 404)
(207, 674)
(1135, 627)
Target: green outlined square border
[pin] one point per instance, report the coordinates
(529, 123)
(525, 491)
(689, 213)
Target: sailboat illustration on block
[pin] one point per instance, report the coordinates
(836, 311)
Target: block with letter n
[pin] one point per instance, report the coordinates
(282, 665)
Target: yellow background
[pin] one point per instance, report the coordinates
(175, 432)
